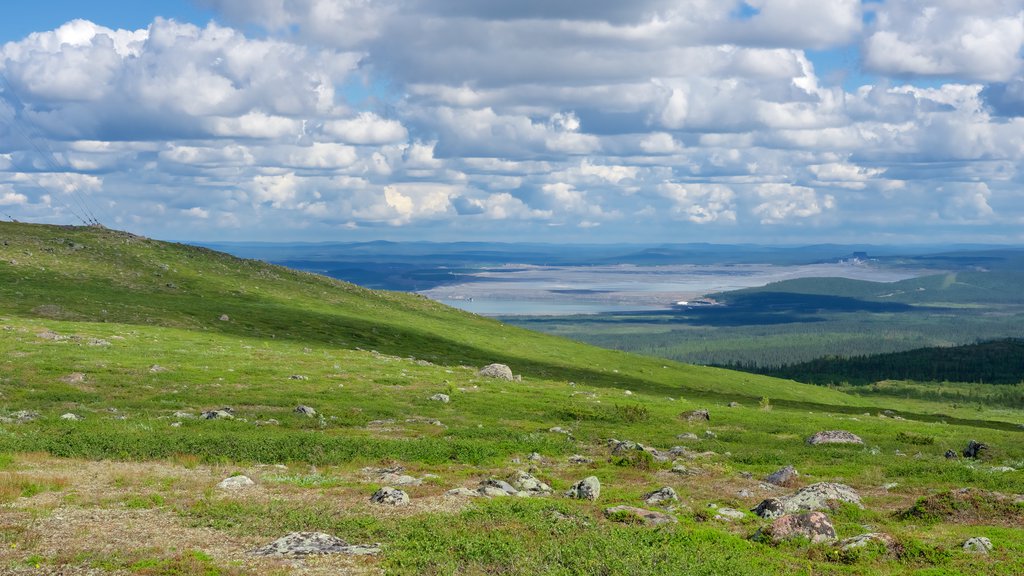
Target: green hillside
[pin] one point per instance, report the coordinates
(112, 345)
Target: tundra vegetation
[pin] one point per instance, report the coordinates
(136, 376)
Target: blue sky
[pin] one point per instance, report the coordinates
(655, 120)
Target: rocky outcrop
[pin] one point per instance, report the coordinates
(813, 497)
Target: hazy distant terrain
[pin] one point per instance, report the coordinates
(780, 304)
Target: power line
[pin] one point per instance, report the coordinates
(59, 168)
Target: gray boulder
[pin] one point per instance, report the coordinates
(499, 371)
(978, 545)
(71, 417)
(304, 410)
(225, 413)
(783, 476)
(696, 416)
(390, 496)
(443, 398)
(633, 515)
(526, 482)
(661, 497)
(311, 543)
(814, 526)
(813, 497)
(770, 509)
(975, 449)
(834, 437)
(817, 496)
(587, 489)
(493, 487)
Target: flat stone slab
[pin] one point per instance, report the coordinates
(834, 437)
(312, 543)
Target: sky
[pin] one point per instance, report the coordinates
(766, 121)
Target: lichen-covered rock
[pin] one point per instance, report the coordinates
(814, 526)
(587, 489)
(579, 459)
(813, 497)
(499, 371)
(834, 437)
(304, 410)
(311, 543)
(817, 496)
(661, 497)
(443, 398)
(390, 497)
(633, 515)
(70, 416)
(236, 483)
(783, 476)
(978, 545)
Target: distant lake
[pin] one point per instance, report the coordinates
(523, 290)
(540, 307)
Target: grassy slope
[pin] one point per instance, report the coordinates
(107, 295)
(95, 275)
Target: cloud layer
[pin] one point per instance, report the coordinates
(653, 120)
